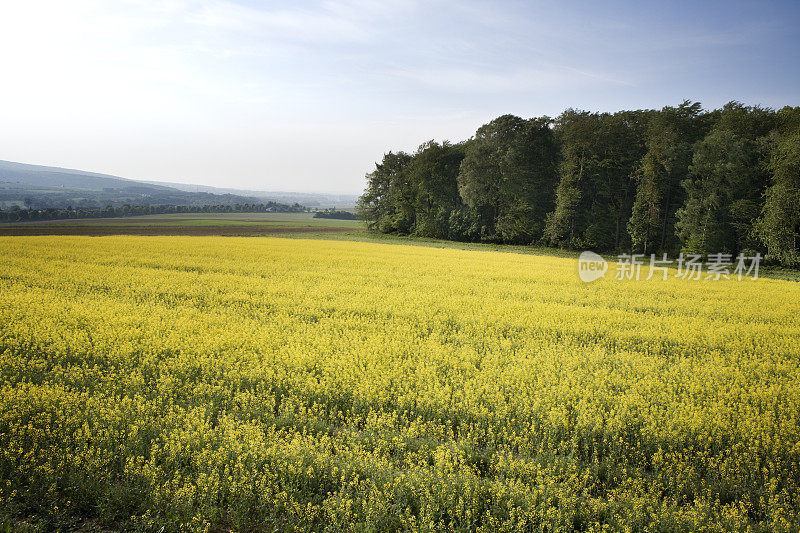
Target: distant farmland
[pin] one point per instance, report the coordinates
(200, 224)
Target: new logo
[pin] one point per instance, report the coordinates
(591, 266)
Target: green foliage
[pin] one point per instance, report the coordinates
(646, 211)
(576, 131)
(16, 214)
(508, 176)
(384, 203)
(433, 174)
(336, 214)
(594, 198)
(671, 134)
(726, 183)
(779, 224)
(717, 203)
(648, 181)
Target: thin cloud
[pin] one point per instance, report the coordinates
(123, 85)
(349, 22)
(468, 80)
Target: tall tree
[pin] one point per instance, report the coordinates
(670, 136)
(528, 167)
(576, 132)
(433, 173)
(619, 149)
(721, 168)
(595, 193)
(779, 225)
(507, 178)
(678, 178)
(726, 182)
(387, 203)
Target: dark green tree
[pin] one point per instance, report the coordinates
(716, 195)
(726, 183)
(508, 176)
(619, 147)
(387, 204)
(779, 225)
(671, 134)
(595, 194)
(576, 132)
(433, 173)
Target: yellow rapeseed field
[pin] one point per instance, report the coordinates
(264, 384)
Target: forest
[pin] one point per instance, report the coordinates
(679, 179)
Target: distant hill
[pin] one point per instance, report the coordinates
(40, 187)
(64, 178)
(308, 199)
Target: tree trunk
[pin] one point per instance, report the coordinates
(666, 217)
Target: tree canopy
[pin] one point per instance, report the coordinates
(679, 179)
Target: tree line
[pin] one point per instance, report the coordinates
(17, 214)
(679, 179)
(337, 214)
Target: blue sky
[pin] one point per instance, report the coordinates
(306, 96)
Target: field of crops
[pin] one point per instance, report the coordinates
(195, 224)
(212, 383)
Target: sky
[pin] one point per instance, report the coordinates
(307, 96)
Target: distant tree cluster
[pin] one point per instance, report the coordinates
(16, 214)
(55, 198)
(647, 181)
(336, 214)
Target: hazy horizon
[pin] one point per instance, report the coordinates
(305, 97)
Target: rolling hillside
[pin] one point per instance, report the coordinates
(39, 186)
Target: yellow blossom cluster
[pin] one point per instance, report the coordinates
(266, 384)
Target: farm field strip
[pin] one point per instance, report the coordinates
(204, 225)
(205, 382)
